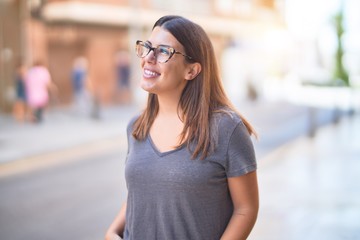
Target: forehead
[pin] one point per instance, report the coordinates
(160, 36)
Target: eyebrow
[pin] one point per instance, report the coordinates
(162, 45)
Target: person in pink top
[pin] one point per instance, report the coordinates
(38, 84)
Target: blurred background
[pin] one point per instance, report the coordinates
(292, 67)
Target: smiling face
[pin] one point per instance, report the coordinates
(168, 78)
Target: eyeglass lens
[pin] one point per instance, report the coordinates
(161, 53)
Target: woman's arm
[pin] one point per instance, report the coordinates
(116, 228)
(245, 197)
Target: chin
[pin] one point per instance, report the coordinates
(148, 87)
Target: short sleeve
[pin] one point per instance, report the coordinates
(240, 153)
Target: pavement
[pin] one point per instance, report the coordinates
(308, 185)
(65, 128)
(65, 134)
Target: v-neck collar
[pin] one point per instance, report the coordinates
(158, 152)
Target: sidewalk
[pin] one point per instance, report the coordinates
(275, 122)
(309, 188)
(61, 129)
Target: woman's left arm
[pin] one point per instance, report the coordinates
(245, 197)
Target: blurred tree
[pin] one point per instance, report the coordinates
(340, 73)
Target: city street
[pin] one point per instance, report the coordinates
(76, 200)
(73, 74)
(75, 193)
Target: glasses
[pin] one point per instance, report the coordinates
(162, 53)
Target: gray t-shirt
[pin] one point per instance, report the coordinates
(171, 196)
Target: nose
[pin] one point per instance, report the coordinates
(151, 56)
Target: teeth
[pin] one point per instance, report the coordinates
(150, 73)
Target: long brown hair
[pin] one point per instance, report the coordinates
(200, 98)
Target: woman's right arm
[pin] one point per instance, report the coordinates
(116, 229)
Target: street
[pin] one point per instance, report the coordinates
(73, 201)
(74, 73)
(77, 195)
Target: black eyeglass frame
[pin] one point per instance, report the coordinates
(150, 48)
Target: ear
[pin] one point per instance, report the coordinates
(192, 71)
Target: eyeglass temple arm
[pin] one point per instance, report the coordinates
(183, 55)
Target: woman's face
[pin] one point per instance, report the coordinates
(164, 78)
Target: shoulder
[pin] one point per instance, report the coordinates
(133, 120)
(226, 119)
(130, 125)
(226, 125)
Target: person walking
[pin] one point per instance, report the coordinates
(20, 105)
(80, 85)
(38, 84)
(122, 65)
(190, 168)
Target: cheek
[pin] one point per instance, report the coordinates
(175, 79)
(177, 71)
(142, 62)
(172, 75)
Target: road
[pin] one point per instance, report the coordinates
(78, 199)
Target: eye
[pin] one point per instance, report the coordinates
(142, 49)
(147, 45)
(164, 51)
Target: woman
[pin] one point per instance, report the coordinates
(190, 169)
(38, 85)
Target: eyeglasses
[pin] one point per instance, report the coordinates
(162, 53)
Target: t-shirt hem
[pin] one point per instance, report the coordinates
(242, 171)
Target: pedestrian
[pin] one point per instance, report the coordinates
(190, 169)
(122, 65)
(123, 70)
(20, 105)
(79, 77)
(38, 85)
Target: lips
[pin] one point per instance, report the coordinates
(150, 74)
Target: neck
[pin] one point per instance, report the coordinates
(168, 105)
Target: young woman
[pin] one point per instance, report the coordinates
(190, 169)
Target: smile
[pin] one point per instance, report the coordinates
(148, 73)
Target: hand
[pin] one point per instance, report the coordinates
(112, 236)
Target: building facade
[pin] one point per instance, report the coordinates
(58, 31)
